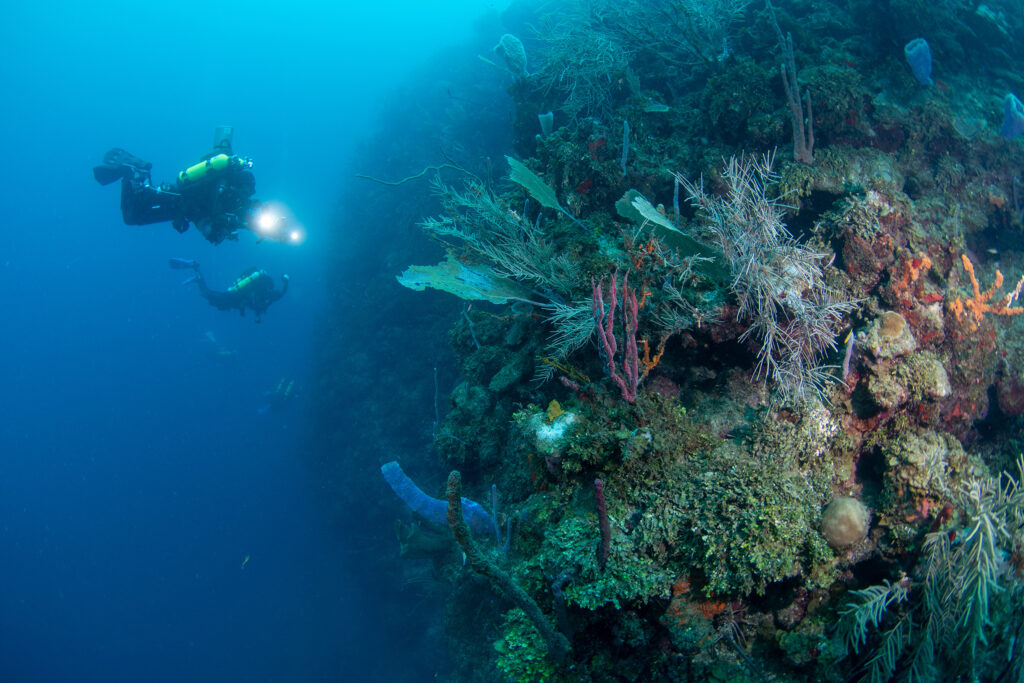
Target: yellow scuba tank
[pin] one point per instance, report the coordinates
(217, 163)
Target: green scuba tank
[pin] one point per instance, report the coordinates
(284, 387)
(215, 164)
(247, 280)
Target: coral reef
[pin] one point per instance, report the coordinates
(783, 389)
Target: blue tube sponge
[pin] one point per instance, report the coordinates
(1013, 117)
(433, 509)
(919, 56)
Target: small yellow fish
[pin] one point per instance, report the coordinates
(245, 561)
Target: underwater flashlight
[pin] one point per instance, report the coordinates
(275, 221)
(268, 222)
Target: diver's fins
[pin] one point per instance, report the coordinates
(183, 264)
(118, 164)
(105, 175)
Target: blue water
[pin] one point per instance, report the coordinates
(137, 475)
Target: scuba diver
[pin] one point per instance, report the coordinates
(279, 398)
(253, 290)
(215, 194)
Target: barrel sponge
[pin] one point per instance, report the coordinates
(511, 49)
(844, 522)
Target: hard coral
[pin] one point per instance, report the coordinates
(845, 522)
(888, 336)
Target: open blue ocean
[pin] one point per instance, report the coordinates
(154, 525)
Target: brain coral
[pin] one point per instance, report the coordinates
(844, 522)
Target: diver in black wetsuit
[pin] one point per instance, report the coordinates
(279, 398)
(253, 290)
(215, 195)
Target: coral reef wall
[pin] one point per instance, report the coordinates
(727, 346)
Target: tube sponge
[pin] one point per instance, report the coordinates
(433, 509)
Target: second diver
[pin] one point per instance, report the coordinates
(253, 290)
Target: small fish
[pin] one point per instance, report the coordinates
(245, 561)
